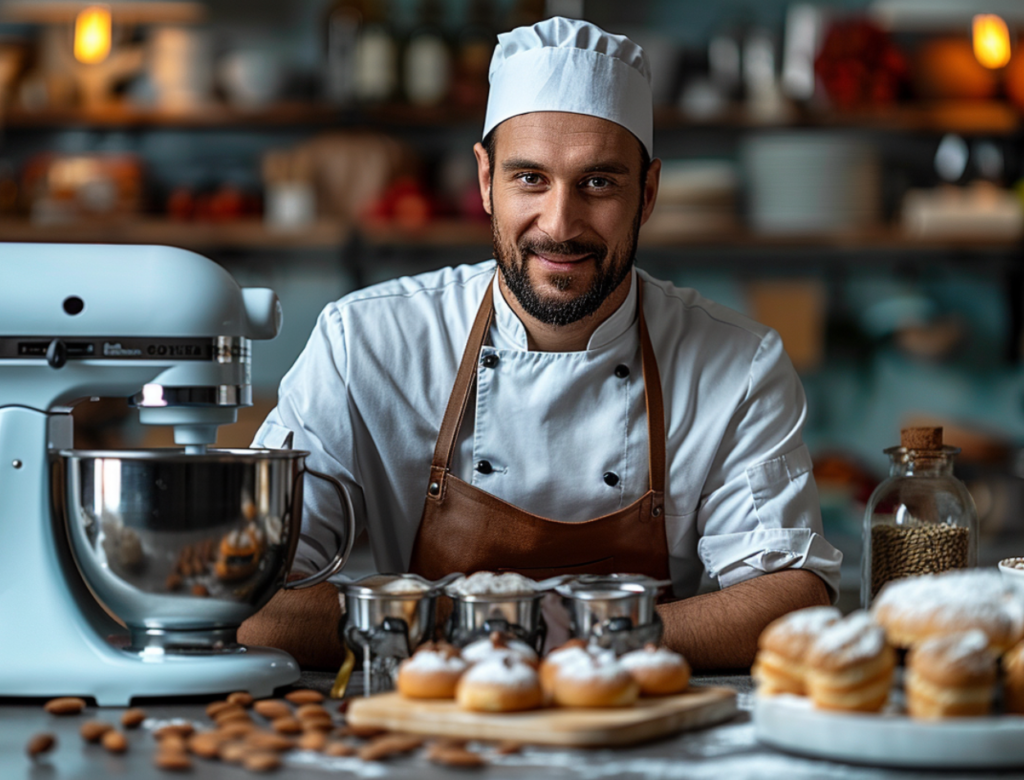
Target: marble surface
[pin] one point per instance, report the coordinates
(728, 751)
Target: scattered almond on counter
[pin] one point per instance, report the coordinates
(234, 752)
(242, 698)
(133, 718)
(205, 744)
(215, 707)
(172, 760)
(286, 725)
(39, 744)
(268, 740)
(455, 757)
(389, 745)
(114, 741)
(236, 728)
(174, 729)
(272, 708)
(508, 747)
(92, 730)
(304, 696)
(65, 705)
(232, 714)
(261, 762)
(312, 740)
(307, 710)
(338, 750)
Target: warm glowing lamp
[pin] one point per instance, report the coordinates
(92, 35)
(991, 41)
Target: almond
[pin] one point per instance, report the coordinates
(312, 740)
(173, 742)
(272, 708)
(389, 745)
(92, 730)
(286, 725)
(205, 744)
(304, 696)
(232, 715)
(65, 705)
(317, 724)
(114, 741)
(261, 762)
(236, 728)
(234, 752)
(268, 740)
(338, 749)
(133, 718)
(172, 760)
(311, 710)
(215, 707)
(242, 698)
(453, 756)
(174, 729)
(508, 747)
(39, 744)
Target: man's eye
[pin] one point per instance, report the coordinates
(529, 178)
(597, 183)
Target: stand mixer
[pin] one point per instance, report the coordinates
(178, 546)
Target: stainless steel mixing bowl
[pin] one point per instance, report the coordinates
(183, 547)
(613, 610)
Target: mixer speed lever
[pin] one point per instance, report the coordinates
(57, 354)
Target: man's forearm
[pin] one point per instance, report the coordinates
(720, 630)
(304, 623)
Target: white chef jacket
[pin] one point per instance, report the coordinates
(367, 395)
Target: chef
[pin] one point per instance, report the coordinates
(555, 409)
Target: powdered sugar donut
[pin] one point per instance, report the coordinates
(782, 649)
(594, 681)
(432, 673)
(499, 644)
(850, 666)
(657, 670)
(916, 608)
(951, 676)
(499, 684)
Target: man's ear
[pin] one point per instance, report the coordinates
(483, 173)
(651, 189)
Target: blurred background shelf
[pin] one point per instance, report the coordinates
(242, 234)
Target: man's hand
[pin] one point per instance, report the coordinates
(303, 623)
(720, 630)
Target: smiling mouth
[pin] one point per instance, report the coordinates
(561, 262)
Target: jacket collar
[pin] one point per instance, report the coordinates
(510, 333)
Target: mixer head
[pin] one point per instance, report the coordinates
(163, 326)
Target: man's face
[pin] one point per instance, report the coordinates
(566, 202)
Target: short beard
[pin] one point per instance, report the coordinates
(609, 273)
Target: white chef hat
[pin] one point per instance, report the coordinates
(573, 66)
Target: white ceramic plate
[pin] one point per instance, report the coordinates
(791, 723)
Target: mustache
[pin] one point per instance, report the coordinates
(572, 248)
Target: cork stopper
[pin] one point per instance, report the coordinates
(921, 438)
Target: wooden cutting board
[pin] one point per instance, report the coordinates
(647, 719)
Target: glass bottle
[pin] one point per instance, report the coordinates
(922, 519)
(427, 73)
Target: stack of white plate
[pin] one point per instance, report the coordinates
(811, 182)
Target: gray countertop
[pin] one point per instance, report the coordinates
(727, 751)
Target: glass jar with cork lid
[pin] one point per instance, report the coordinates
(921, 520)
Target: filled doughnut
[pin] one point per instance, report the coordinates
(1013, 680)
(593, 681)
(499, 684)
(432, 673)
(850, 666)
(916, 608)
(500, 644)
(950, 676)
(782, 649)
(574, 648)
(657, 670)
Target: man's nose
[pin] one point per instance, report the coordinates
(561, 214)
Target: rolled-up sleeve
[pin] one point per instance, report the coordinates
(313, 410)
(760, 512)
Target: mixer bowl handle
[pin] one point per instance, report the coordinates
(344, 550)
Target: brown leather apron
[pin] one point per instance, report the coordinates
(465, 529)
